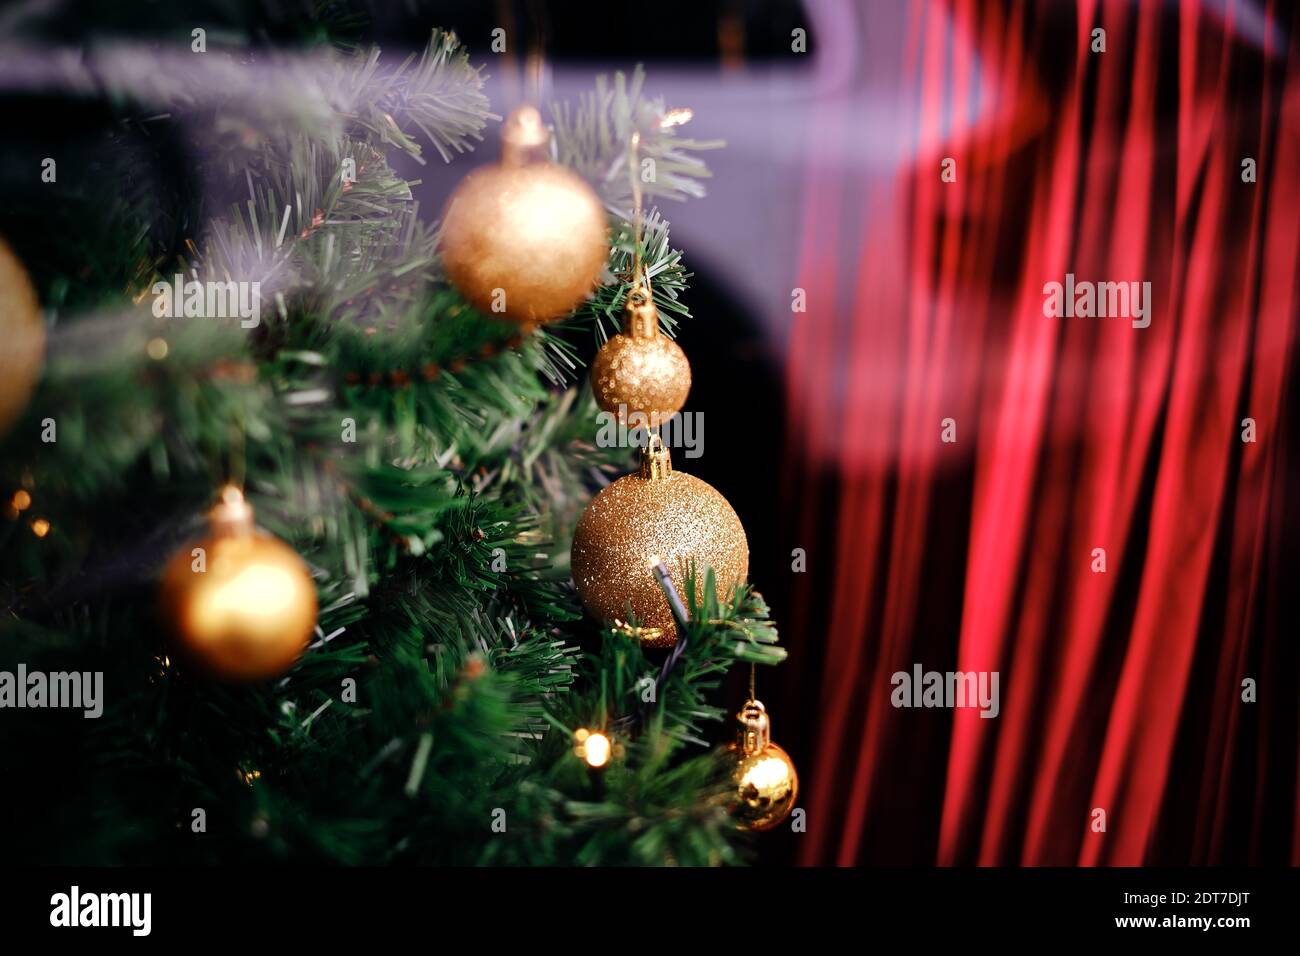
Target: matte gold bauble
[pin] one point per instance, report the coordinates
(660, 513)
(22, 338)
(525, 238)
(764, 776)
(641, 374)
(244, 606)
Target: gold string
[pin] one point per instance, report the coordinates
(639, 277)
(238, 451)
(535, 62)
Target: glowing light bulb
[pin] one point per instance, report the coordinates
(596, 750)
(593, 747)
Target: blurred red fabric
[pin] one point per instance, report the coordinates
(1120, 690)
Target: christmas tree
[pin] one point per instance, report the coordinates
(289, 500)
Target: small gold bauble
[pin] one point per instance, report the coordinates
(245, 606)
(656, 513)
(525, 238)
(22, 338)
(765, 779)
(640, 373)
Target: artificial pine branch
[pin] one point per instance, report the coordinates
(469, 679)
(593, 138)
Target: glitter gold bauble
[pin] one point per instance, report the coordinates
(244, 606)
(660, 513)
(641, 374)
(22, 338)
(764, 775)
(525, 238)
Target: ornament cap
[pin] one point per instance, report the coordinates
(232, 514)
(656, 461)
(641, 317)
(755, 733)
(524, 137)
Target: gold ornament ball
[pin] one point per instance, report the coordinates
(641, 373)
(525, 238)
(764, 776)
(655, 513)
(245, 609)
(22, 338)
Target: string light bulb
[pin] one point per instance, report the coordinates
(593, 747)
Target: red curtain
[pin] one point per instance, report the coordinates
(1120, 690)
